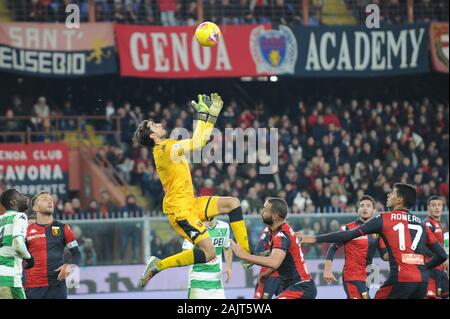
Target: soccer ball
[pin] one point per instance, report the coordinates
(207, 34)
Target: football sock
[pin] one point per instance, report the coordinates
(239, 229)
(184, 258)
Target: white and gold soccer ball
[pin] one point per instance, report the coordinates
(207, 34)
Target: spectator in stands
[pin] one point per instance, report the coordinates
(77, 209)
(146, 12)
(254, 202)
(41, 111)
(88, 253)
(157, 248)
(68, 211)
(167, 9)
(92, 210)
(106, 206)
(8, 125)
(208, 188)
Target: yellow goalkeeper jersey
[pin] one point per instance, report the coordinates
(173, 169)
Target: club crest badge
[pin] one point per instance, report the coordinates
(274, 51)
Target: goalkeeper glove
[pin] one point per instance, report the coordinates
(215, 108)
(202, 107)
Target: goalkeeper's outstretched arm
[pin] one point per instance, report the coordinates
(208, 110)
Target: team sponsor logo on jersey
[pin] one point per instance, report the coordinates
(33, 231)
(30, 238)
(412, 259)
(56, 231)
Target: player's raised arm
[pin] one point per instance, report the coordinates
(373, 226)
(208, 109)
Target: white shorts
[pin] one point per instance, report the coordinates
(197, 293)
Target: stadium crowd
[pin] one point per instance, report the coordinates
(394, 11)
(329, 153)
(184, 12)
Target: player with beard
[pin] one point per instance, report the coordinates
(286, 254)
(46, 240)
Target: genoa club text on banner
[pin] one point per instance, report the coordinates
(35, 167)
(173, 52)
(52, 50)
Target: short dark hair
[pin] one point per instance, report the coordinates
(35, 197)
(279, 206)
(142, 135)
(7, 196)
(433, 197)
(408, 193)
(366, 197)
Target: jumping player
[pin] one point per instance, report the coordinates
(184, 212)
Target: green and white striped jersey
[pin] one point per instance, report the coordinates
(446, 242)
(12, 224)
(209, 275)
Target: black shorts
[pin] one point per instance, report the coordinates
(269, 288)
(300, 290)
(356, 290)
(58, 291)
(402, 290)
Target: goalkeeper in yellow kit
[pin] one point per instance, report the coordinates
(185, 212)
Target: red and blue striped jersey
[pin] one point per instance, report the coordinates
(293, 268)
(46, 243)
(359, 253)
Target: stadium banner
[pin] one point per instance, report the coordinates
(349, 51)
(35, 167)
(173, 52)
(52, 50)
(439, 46)
(124, 278)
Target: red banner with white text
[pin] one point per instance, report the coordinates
(173, 52)
(35, 167)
